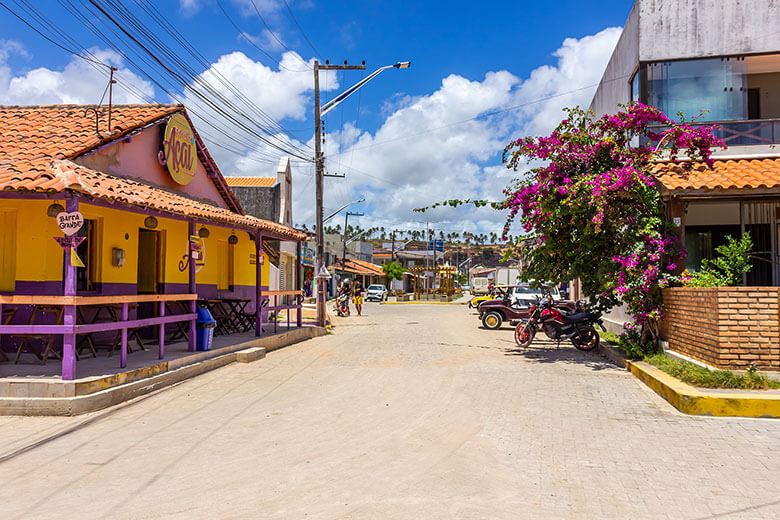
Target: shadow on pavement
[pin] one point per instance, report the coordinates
(548, 352)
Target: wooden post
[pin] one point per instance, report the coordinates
(69, 311)
(258, 285)
(192, 285)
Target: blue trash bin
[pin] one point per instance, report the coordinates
(205, 324)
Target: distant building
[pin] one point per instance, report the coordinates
(270, 198)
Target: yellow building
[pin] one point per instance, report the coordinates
(136, 219)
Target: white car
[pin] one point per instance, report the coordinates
(376, 292)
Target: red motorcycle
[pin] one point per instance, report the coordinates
(558, 326)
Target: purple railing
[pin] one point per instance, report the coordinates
(70, 328)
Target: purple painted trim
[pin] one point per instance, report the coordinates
(123, 336)
(161, 314)
(17, 194)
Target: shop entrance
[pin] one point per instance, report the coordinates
(148, 261)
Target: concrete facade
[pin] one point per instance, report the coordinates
(659, 30)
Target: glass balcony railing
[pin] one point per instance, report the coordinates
(738, 133)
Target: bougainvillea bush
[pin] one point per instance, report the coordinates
(594, 212)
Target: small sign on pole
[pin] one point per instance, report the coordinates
(70, 223)
(323, 273)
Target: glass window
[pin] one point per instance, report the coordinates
(715, 85)
(635, 86)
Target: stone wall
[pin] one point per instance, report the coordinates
(726, 327)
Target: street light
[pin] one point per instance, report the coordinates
(330, 105)
(342, 208)
(319, 159)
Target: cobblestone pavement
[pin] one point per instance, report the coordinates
(410, 411)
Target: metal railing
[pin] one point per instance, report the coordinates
(737, 133)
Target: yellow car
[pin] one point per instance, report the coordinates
(496, 292)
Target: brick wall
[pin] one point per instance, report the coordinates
(727, 327)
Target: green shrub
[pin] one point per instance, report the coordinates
(696, 375)
(727, 268)
(630, 342)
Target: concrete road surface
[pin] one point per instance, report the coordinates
(409, 412)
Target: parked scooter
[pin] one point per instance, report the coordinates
(342, 305)
(558, 326)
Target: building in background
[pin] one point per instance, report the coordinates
(270, 198)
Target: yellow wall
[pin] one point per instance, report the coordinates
(39, 258)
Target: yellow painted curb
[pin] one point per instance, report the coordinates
(694, 401)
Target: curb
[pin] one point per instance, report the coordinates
(696, 401)
(162, 375)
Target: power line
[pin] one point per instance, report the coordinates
(316, 52)
(274, 34)
(252, 42)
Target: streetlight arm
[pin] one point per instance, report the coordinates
(342, 208)
(330, 105)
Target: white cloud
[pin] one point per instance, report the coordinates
(431, 149)
(190, 7)
(283, 93)
(78, 82)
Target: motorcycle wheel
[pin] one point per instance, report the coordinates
(587, 339)
(525, 334)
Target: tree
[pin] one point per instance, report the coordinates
(393, 270)
(594, 212)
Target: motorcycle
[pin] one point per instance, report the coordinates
(558, 326)
(342, 305)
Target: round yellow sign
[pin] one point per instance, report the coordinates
(179, 152)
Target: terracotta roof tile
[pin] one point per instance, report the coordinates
(250, 182)
(725, 175)
(66, 175)
(36, 143)
(31, 136)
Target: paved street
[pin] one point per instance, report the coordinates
(408, 412)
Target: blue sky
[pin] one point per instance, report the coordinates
(398, 141)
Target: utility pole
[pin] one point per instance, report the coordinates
(319, 163)
(392, 250)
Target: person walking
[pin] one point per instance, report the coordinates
(357, 292)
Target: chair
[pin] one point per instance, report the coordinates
(5, 319)
(25, 340)
(132, 333)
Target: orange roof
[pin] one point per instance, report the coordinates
(67, 175)
(358, 267)
(731, 174)
(34, 135)
(38, 141)
(250, 182)
(375, 269)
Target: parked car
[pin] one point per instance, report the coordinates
(516, 304)
(376, 293)
(496, 292)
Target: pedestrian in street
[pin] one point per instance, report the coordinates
(357, 292)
